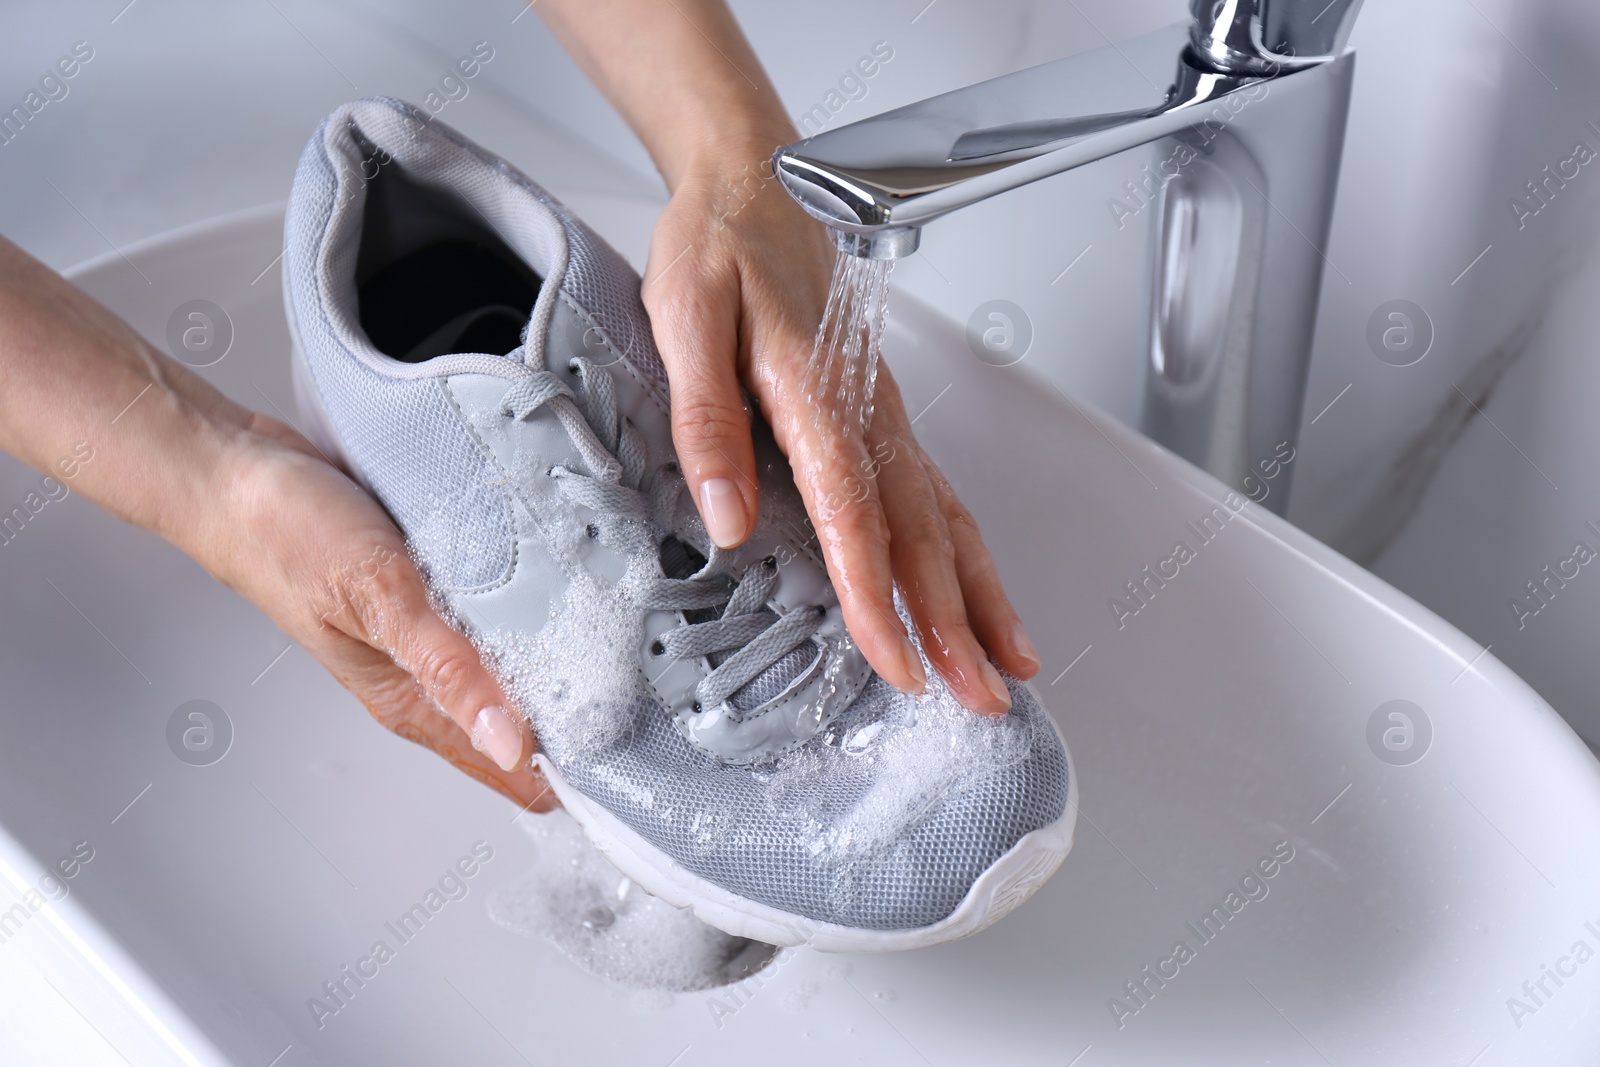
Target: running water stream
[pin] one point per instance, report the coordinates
(844, 358)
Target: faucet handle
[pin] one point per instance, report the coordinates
(1262, 37)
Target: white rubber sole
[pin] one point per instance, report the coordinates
(1012, 879)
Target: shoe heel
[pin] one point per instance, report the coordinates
(314, 422)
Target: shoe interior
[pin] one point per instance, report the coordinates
(432, 278)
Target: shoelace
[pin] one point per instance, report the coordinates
(614, 488)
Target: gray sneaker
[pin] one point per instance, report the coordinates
(481, 362)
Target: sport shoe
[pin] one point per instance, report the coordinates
(481, 361)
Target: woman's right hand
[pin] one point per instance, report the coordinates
(260, 508)
(322, 559)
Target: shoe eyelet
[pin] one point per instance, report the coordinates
(550, 471)
(657, 648)
(771, 563)
(819, 609)
(573, 365)
(592, 530)
(696, 707)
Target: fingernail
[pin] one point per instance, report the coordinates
(994, 684)
(496, 736)
(913, 663)
(1022, 645)
(722, 507)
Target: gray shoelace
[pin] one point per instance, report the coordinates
(630, 507)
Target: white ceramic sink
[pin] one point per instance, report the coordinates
(1227, 720)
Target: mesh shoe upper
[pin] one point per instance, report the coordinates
(860, 806)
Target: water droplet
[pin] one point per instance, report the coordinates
(861, 738)
(598, 918)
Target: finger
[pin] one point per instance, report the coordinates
(927, 558)
(989, 610)
(695, 321)
(390, 605)
(923, 555)
(835, 477)
(391, 696)
(526, 784)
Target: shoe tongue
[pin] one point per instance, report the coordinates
(775, 679)
(679, 559)
(480, 329)
(686, 550)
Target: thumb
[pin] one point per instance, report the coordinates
(696, 331)
(443, 663)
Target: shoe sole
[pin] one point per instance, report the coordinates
(1009, 881)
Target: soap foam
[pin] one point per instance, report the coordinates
(575, 679)
(576, 900)
(913, 756)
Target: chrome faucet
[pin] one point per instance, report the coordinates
(1250, 133)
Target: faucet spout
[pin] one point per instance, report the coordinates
(1249, 128)
(891, 242)
(901, 170)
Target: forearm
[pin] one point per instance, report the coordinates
(681, 73)
(86, 401)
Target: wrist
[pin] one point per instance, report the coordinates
(728, 151)
(166, 460)
(181, 463)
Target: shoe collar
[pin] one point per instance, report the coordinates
(361, 137)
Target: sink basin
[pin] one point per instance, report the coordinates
(1366, 833)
